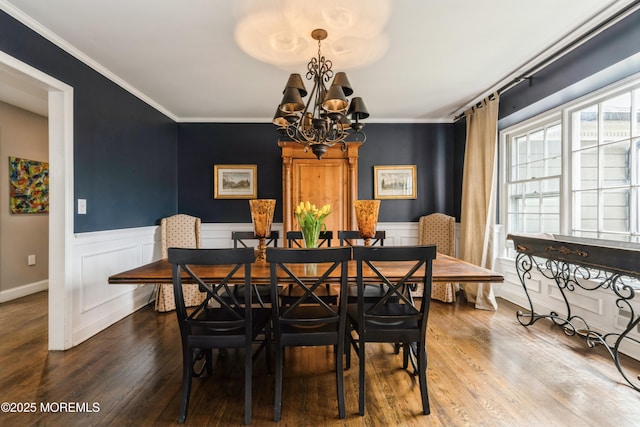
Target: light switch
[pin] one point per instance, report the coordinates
(82, 206)
(31, 260)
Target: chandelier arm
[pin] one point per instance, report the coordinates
(317, 127)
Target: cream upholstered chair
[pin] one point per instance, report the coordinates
(439, 229)
(178, 231)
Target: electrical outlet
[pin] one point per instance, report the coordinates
(31, 260)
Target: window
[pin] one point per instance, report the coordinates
(604, 150)
(576, 170)
(533, 179)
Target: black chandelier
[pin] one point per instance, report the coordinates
(324, 120)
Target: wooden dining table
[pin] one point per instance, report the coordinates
(445, 269)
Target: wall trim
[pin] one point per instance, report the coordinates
(24, 290)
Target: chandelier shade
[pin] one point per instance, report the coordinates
(295, 80)
(323, 121)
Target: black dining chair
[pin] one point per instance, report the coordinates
(295, 239)
(217, 323)
(396, 317)
(308, 320)
(248, 239)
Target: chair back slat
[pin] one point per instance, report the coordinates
(352, 238)
(241, 238)
(305, 307)
(295, 239)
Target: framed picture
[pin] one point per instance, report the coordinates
(394, 182)
(28, 186)
(235, 181)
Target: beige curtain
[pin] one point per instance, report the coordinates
(478, 196)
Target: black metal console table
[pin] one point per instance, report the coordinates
(588, 264)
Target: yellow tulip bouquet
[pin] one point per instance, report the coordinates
(311, 222)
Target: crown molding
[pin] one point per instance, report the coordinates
(81, 56)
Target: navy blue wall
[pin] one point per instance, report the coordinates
(124, 150)
(129, 165)
(429, 146)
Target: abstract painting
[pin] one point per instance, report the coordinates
(28, 186)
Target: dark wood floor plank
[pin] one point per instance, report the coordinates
(485, 369)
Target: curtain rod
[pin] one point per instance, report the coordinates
(528, 74)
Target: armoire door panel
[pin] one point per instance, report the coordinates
(321, 183)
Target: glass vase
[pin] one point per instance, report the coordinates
(262, 217)
(367, 218)
(311, 235)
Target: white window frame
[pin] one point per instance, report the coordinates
(562, 113)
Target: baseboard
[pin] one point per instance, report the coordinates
(23, 291)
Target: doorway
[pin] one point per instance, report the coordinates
(59, 104)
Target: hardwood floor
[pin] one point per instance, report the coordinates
(484, 370)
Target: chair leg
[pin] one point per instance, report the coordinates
(187, 374)
(209, 362)
(347, 350)
(340, 380)
(422, 375)
(267, 346)
(277, 403)
(361, 361)
(405, 356)
(248, 364)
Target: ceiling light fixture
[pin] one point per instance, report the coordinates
(323, 121)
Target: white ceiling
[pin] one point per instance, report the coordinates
(182, 57)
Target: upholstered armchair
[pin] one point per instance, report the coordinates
(439, 229)
(178, 231)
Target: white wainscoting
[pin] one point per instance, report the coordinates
(218, 235)
(98, 255)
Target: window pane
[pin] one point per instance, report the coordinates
(536, 145)
(615, 216)
(585, 165)
(553, 166)
(554, 141)
(615, 164)
(636, 114)
(636, 170)
(586, 127)
(616, 118)
(531, 224)
(551, 186)
(522, 150)
(636, 197)
(586, 210)
(551, 224)
(536, 169)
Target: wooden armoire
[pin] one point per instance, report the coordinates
(333, 180)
